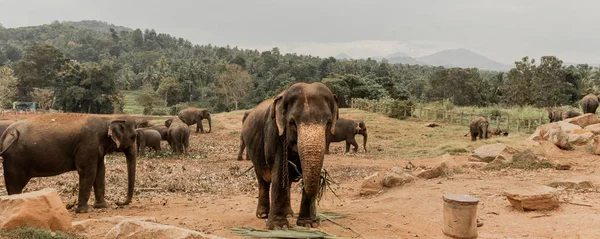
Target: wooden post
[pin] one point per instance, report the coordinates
(421, 113)
(435, 115)
(460, 216)
(427, 115)
(529, 125)
(461, 118)
(508, 123)
(498, 121)
(412, 111)
(518, 124)
(404, 111)
(452, 118)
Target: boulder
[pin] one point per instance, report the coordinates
(541, 132)
(596, 145)
(446, 166)
(474, 165)
(594, 128)
(487, 153)
(97, 228)
(584, 120)
(559, 138)
(532, 198)
(528, 160)
(572, 184)
(394, 179)
(372, 184)
(39, 209)
(140, 229)
(580, 137)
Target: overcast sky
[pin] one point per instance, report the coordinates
(503, 30)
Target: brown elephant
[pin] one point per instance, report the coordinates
(53, 144)
(346, 129)
(4, 125)
(290, 129)
(242, 145)
(143, 123)
(195, 116)
(178, 135)
(558, 115)
(162, 129)
(589, 103)
(479, 127)
(147, 138)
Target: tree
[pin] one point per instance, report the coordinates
(38, 68)
(149, 100)
(234, 83)
(44, 98)
(8, 86)
(169, 86)
(519, 81)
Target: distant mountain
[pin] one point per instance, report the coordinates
(397, 54)
(343, 56)
(463, 58)
(405, 60)
(97, 26)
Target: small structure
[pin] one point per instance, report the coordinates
(460, 216)
(28, 106)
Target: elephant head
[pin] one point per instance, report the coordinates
(122, 133)
(168, 122)
(303, 114)
(361, 129)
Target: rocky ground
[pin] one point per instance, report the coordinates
(203, 191)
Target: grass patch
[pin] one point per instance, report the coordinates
(35, 233)
(523, 160)
(293, 232)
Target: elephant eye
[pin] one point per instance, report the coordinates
(132, 138)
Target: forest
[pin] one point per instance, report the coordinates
(86, 66)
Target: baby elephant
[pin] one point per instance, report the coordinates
(479, 127)
(147, 138)
(559, 115)
(346, 129)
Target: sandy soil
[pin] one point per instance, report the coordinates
(202, 191)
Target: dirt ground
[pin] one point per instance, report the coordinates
(202, 191)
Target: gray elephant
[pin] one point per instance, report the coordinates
(4, 125)
(558, 115)
(346, 129)
(162, 129)
(289, 130)
(589, 103)
(53, 144)
(143, 123)
(195, 116)
(178, 135)
(242, 145)
(479, 127)
(148, 138)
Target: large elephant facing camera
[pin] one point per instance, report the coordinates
(192, 116)
(53, 144)
(589, 103)
(345, 130)
(290, 128)
(479, 127)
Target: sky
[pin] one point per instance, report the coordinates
(504, 30)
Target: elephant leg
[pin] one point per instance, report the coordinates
(308, 212)
(87, 175)
(327, 146)
(99, 185)
(480, 134)
(353, 143)
(186, 144)
(241, 151)
(280, 199)
(473, 136)
(143, 148)
(15, 178)
(262, 210)
(347, 146)
(199, 127)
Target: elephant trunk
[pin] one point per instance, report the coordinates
(209, 124)
(485, 131)
(311, 149)
(131, 162)
(365, 140)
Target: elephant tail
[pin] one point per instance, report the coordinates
(8, 138)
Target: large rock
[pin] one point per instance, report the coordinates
(39, 209)
(584, 120)
(532, 198)
(580, 137)
(97, 228)
(487, 153)
(559, 137)
(396, 179)
(596, 145)
(595, 128)
(572, 184)
(132, 229)
(373, 184)
(528, 160)
(446, 166)
(541, 132)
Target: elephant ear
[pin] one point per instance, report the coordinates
(277, 113)
(335, 114)
(168, 122)
(116, 130)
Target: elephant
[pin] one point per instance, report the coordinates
(143, 123)
(285, 140)
(4, 125)
(242, 145)
(147, 138)
(346, 129)
(178, 135)
(479, 127)
(195, 116)
(558, 115)
(162, 130)
(52, 144)
(589, 103)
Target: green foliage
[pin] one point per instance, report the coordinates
(399, 109)
(34, 233)
(8, 86)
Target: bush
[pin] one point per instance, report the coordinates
(388, 106)
(35, 233)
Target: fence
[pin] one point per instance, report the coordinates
(506, 123)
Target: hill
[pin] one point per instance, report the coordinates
(462, 58)
(99, 26)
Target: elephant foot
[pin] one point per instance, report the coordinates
(289, 213)
(103, 204)
(277, 223)
(240, 158)
(262, 212)
(82, 209)
(307, 222)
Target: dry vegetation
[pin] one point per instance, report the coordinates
(203, 192)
